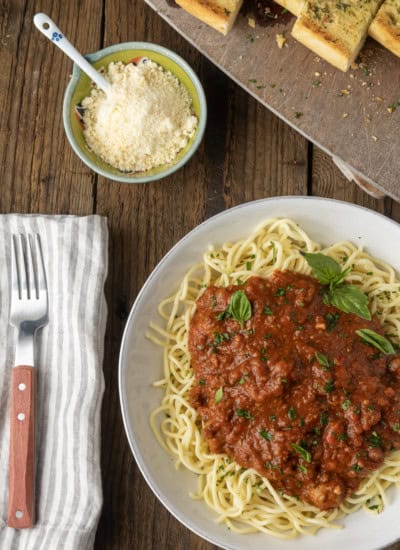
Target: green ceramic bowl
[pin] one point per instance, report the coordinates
(80, 86)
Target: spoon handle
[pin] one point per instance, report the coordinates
(53, 33)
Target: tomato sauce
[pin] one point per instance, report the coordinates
(294, 392)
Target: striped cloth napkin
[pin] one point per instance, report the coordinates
(70, 383)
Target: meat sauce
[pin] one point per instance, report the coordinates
(294, 392)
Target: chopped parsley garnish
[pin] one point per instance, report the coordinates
(331, 319)
(220, 337)
(273, 247)
(267, 310)
(356, 468)
(346, 404)
(322, 359)
(306, 455)
(218, 395)
(202, 382)
(329, 386)
(269, 436)
(244, 414)
(323, 419)
(375, 440)
(302, 469)
(280, 292)
(292, 413)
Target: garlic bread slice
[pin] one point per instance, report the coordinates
(219, 14)
(335, 29)
(385, 28)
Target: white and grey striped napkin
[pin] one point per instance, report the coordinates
(69, 381)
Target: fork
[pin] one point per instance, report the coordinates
(28, 313)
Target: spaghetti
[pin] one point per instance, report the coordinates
(243, 499)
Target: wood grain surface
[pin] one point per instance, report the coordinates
(21, 486)
(247, 153)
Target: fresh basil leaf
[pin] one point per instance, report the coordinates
(325, 268)
(240, 307)
(350, 299)
(218, 395)
(302, 452)
(340, 278)
(377, 340)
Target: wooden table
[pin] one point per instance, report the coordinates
(247, 153)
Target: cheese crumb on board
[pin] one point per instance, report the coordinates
(144, 120)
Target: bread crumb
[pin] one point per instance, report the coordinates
(251, 22)
(374, 138)
(280, 40)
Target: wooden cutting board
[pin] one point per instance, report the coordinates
(354, 116)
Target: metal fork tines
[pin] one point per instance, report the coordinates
(29, 301)
(28, 313)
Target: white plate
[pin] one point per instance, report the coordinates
(326, 221)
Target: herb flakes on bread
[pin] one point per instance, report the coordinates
(385, 28)
(335, 30)
(219, 14)
(294, 6)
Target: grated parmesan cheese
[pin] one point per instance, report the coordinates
(144, 120)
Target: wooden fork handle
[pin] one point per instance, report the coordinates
(22, 448)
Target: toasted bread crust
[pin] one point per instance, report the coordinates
(210, 13)
(385, 28)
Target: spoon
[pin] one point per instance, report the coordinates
(53, 33)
